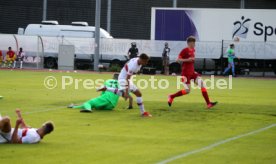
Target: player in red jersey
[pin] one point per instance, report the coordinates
(10, 57)
(187, 58)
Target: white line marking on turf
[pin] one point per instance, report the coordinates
(41, 111)
(215, 144)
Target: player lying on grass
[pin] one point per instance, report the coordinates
(187, 58)
(107, 100)
(22, 133)
(126, 85)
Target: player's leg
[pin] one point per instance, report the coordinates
(204, 92)
(139, 99)
(227, 69)
(88, 105)
(184, 91)
(102, 103)
(140, 103)
(5, 63)
(107, 106)
(21, 64)
(85, 106)
(14, 63)
(9, 63)
(233, 68)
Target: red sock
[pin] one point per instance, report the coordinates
(179, 93)
(205, 95)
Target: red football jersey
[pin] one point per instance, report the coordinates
(187, 67)
(11, 54)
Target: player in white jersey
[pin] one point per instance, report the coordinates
(22, 133)
(126, 85)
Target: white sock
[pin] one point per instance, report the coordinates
(139, 101)
(115, 90)
(14, 64)
(21, 64)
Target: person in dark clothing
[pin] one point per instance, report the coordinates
(133, 51)
(166, 58)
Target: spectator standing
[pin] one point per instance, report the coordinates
(166, 58)
(133, 51)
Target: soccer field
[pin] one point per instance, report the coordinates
(122, 136)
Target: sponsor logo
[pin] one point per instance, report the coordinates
(241, 28)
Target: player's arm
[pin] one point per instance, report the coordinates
(183, 57)
(15, 139)
(23, 124)
(126, 94)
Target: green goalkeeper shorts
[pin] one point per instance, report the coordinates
(100, 103)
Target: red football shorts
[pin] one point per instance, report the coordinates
(187, 78)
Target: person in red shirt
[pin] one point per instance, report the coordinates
(187, 58)
(10, 57)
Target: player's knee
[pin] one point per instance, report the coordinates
(139, 94)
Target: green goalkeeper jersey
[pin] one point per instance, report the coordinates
(111, 97)
(231, 55)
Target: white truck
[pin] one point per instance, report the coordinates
(255, 28)
(65, 34)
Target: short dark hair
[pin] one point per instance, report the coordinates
(191, 39)
(115, 76)
(144, 56)
(48, 127)
(232, 45)
(9, 48)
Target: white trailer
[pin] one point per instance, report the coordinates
(76, 29)
(78, 34)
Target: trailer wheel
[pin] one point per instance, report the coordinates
(50, 62)
(175, 68)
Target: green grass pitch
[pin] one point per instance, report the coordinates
(122, 136)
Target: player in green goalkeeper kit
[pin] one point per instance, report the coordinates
(106, 101)
(231, 56)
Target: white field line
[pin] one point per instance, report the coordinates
(215, 144)
(41, 111)
(44, 110)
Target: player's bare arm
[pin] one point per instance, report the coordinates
(19, 115)
(15, 139)
(126, 94)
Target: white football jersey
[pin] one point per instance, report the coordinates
(130, 68)
(29, 135)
